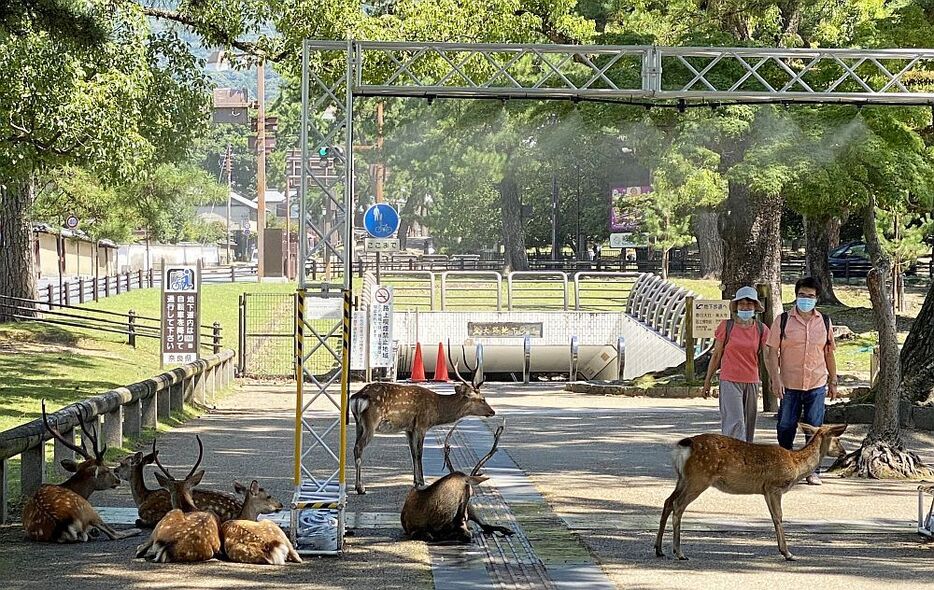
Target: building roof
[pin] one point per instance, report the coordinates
(240, 200)
(230, 98)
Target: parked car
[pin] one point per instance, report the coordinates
(853, 258)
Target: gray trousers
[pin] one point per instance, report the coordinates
(738, 409)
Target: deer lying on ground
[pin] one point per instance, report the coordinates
(440, 511)
(738, 467)
(391, 408)
(246, 540)
(154, 504)
(61, 513)
(186, 533)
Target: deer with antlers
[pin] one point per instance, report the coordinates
(186, 533)
(391, 408)
(153, 505)
(61, 513)
(737, 467)
(441, 511)
(246, 540)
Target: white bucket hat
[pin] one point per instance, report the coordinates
(747, 293)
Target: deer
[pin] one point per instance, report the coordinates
(246, 540)
(391, 408)
(185, 533)
(62, 513)
(441, 511)
(737, 467)
(154, 504)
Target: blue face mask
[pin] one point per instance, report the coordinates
(806, 304)
(745, 314)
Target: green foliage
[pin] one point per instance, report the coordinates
(70, 190)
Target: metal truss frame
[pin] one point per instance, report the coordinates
(335, 72)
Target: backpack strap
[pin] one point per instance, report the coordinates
(783, 321)
(827, 327)
(759, 330)
(729, 328)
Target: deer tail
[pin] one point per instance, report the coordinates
(359, 402)
(680, 455)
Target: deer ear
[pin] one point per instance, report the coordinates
(807, 429)
(239, 487)
(477, 479)
(196, 478)
(838, 429)
(164, 481)
(70, 465)
(254, 487)
(138, 456)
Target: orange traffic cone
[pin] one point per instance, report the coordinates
(418, 365)
(441, 366)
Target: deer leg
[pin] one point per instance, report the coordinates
(488, 529)
(679, 504)
(419, 468)
(416, 457)
(774, 502)
(364, 436)
(666, 511)
(114, 534)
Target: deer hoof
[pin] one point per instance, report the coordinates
(659, 552)
(360, 490)
(681, 557)
(790, 557)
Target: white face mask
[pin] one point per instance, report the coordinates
(806, 304)
(745, 314)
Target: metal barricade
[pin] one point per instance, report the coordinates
(615, 289)
(537, 290)
(471, 290)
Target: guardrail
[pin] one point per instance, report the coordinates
(118, 413)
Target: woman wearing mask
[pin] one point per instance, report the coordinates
(739, 345)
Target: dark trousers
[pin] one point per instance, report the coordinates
(804, 405)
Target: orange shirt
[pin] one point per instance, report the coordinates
(801, 355)
(740, 361)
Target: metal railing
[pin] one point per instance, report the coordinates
(461, 288)
(118, 413)
(537, 290)
(613, 293)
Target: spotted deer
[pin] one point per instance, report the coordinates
(391, 408)
(153, 504)
(185, 533)
(61, 513)
(737, 467)
(246, 540)
(440, 512)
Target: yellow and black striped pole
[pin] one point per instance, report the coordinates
(299, 381)
(345, 384)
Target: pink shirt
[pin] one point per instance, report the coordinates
(801, 355)
(740, 361)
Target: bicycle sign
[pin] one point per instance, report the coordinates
(381, 220)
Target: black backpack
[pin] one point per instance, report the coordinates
(784, 322)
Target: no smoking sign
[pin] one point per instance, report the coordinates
(382, 295)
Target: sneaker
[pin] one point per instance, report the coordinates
(813, 480)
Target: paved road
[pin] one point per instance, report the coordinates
(582, 477)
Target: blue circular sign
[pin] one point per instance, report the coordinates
(381, 220)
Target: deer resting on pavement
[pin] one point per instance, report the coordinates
(152, 505)
(737, 467)
(391, 408)
(61, 513)
(440, 511)
(246, 540)
(186, 533)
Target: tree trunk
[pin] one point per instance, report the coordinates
(406, 216)
(882, 454)
(709, 244)
(513, 231)
(666, 258)
(752, 243)
(917, 356)
(17, 267)
(818, 233)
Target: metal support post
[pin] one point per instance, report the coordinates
(620, 359)
(575, 358)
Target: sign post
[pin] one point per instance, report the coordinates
(689, 339)
(181, 311)
(381, 327)
(381, 221)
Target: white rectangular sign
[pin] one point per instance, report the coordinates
(381, 327)
(381, 244)
(708, 315)
(622, 241)
(181, 302)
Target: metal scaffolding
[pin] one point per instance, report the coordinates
(335, 72)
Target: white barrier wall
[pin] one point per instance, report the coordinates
(597, 333)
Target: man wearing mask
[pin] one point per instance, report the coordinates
(801, 364)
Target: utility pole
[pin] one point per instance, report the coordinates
(229, 166)
(288, 227)
(260, 168)
(554, 216)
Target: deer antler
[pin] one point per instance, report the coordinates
(58, 435)
(91, 433)
(447, 448)
(200, 455)
(155, 456)
(496, 435)
(454, 364)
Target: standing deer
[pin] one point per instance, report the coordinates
(390, 408)
(246, 540)
(738, 467)
(152, 505)
(185, 534)
(61, 513)
(440, 511)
